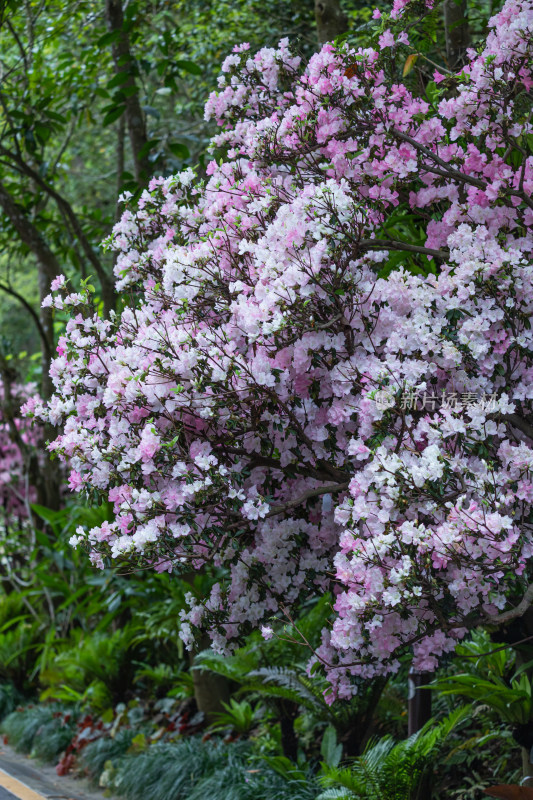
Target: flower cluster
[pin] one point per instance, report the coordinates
(229, 411)
(19, 441)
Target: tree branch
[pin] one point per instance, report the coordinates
(520, 423)
(332, 488)
(31, 311)
(108, 291)
(392, 244)
(517, 611)
(125, 62)
(451, 172)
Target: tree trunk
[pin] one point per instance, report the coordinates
(289, 740)
(210, 689)
(331, 21)
(419, 701)
(456, 32)
(420, 713)
(125, 63)
(527, 766)
(354, 737)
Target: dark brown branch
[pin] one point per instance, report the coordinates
(392, 244)
(48, 268)
(520, 423)
(35, 317)
(108, 291)
(29, 234)
(331, 488)
(451, 172)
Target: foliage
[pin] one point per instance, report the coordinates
(9, 699)
(192, 770)
(390, 770)
(44, 731)
(239, 717)
(269, 672)
(54, 737)
(240, 412)
(94, 668)
(511, 700)
(104, 749)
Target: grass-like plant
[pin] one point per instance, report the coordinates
(53, 738)
(44, 731)
(97, 753)
(196, 770)
(172, 771)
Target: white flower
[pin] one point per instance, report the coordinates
(266, 632)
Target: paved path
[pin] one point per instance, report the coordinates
(22, 778)
(12, 789)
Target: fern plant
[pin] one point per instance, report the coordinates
(286, 687)
(94, 669)
(238, 717)
(390, 770)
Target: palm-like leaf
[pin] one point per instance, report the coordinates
(390, 770)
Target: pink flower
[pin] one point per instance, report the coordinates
(75, 481)
(386, 39)
(149, 444)
(57, 283)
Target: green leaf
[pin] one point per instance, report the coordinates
(118, 79)
(113, 115)
(284, 767)
(108, 38)
(42, 132)
(179, 150)
(188, 66)
(53, 517)
(330, 750)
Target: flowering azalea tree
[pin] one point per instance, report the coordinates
(322, 376)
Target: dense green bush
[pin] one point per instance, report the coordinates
(43, 731)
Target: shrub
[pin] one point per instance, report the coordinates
(321, 377)
(44, 731)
